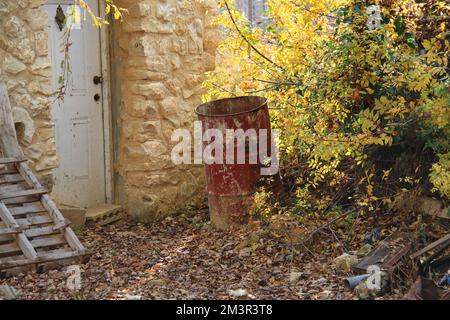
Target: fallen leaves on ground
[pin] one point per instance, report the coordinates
(185, 258)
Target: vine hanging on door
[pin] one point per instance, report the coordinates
(73, 18)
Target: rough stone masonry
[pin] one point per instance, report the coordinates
(25, 68)
(165, 48)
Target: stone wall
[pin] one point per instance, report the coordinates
(25, 68)
(164, 48)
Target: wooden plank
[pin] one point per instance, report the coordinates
(444, 241)
(8, 171)
(8, 188)
(40, 231)
(11, 160)
(10, 248)
(9, 231)
(44, 258)
(48, 241)
(6, 238)
(28, 208)
(12, 258)
(34, 221)
(11, 178)
(24, 193)
(21, 200)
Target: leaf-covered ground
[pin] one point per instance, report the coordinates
(184, 258)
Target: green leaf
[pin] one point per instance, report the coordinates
(411, 41)
(399, 25)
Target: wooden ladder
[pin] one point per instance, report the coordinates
(33, 232)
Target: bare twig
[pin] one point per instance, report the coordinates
(327, 225)
(223, 89)
(245, 38)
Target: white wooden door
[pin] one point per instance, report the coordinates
(80, 177)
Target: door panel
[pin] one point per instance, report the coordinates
(80, 177)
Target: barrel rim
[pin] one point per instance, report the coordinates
(263, 104)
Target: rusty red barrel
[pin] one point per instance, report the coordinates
(231, 185)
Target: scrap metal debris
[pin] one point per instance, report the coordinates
(426, 289)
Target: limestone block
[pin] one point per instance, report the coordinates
(136, 179)
(47, 163)
(142, 47)
(149, 129)
(15, 28)
(192, 80)
(180, 46)
(195, 39)
(20, 48)
(13, 65)
(21, 99)
(37, 19)
(209, 62)
(40, 104)
(152, 91)
(40, 85)
(155, 164)
(135, 150)
(34, 152)
(210, 40)
(165, 46)
(41, 67)
(140, 25)
(140, 9)
(36, 3)
(4, 9)
(140, 74)
(167, 28)
(165, 12)
(143, 109)
(175, 61)
(174, 85)
(152, 63)
(197, 63)
(181, 25)
(22, 3)
(209, 5)
(46, 134)
(14, 86)
(155, 148)
(41, 43)
(170, 106)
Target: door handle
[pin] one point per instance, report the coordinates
(98, 79)
(97, 97)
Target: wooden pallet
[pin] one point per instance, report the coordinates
(33, 232)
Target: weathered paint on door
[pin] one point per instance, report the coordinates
(80, 177)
